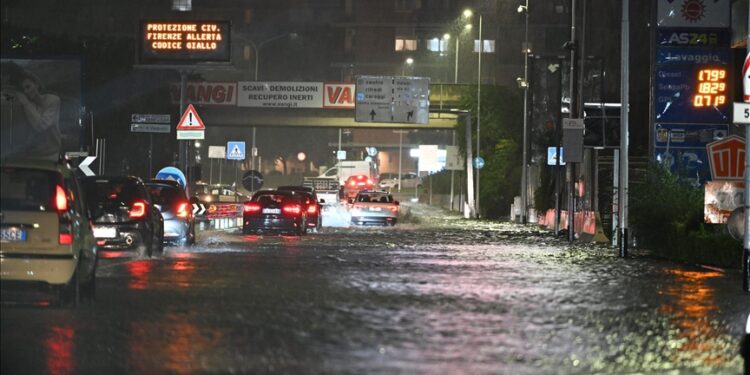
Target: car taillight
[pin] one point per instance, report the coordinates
(183, 209)
(312, 209)
(65, 229)
(252, 207)
(369, 182)
(353, 183)
(65, 239)
(61, 199)
(137, 210)
(292, 209)
(394, 209)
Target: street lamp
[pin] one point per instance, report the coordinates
(257, 47)
(524, 83)
(409, 61)
(468, 13)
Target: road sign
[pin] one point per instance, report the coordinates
(84, 166)
(172, 173)
(341, 155)
(145, 118)
(252, 180)
(741, 113)
(190, 120)
(235, 150)
(150, 128)
(190, 134)
(392, 99)
(217, 152)
(198, 209)
(453, 159)
(478, 162)
(371, 151)
(552, 156)
(726, 158)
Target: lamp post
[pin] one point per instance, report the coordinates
(468, 13)
(256, 54)
(525, 166)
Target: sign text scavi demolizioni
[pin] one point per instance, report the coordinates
(184, 41)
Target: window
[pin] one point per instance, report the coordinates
(489, 46)
(406, 43)
(437, 45)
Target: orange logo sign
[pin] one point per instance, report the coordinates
(726, 158)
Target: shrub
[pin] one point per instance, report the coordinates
(667, 215)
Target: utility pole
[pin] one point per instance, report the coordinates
(622, 193)
(572, 114)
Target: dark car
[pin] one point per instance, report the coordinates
(312, 204)
(123, 215)
(176, 210)
(275, 211)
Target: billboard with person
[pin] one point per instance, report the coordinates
(39, 107)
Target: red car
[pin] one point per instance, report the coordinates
(355, 184)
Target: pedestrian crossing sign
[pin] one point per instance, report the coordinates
(235, 150)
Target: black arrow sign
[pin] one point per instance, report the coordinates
(372, 115)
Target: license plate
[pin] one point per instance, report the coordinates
(105, 232)
(12, 234)
(376, 209)
(271, 210)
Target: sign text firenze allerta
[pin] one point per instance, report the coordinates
(184, 41)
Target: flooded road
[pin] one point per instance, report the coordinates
(443, 295)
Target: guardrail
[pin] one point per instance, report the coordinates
(220, 215)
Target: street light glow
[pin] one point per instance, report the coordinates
(468, 13)
(446, 36)
(468, 26)
(409, 61)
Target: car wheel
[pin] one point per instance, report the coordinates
(143, 251)
(70, 293)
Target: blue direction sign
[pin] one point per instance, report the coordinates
(235, 150)
(552, 156)
(172, 173)
(478, 162)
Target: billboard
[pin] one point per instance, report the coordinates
(184, 41)
(40, 107)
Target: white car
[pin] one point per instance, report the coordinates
(374, 207)
(408, 180)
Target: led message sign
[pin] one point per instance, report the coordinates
(184, 41)
(712, 88)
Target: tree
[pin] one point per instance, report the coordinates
(501, 137)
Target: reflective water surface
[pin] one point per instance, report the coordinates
(442, 296)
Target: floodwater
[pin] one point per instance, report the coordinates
(435, 294)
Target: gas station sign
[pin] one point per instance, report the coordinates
(184, 41)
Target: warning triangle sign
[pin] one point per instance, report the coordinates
(190, 120)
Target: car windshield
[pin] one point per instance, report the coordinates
(107, 191)
(374, 198)
(27, 189)
(165, 195)
(274, 198)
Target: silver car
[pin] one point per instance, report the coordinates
(374, 207)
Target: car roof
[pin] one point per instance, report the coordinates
(163, 182)
(36, 164)
(307, 189)
(115, 179)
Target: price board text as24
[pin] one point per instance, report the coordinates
(184, 41)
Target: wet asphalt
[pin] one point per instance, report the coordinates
(435, 294)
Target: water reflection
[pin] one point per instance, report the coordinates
(693, 303)
(139, 272)
(179, 345)
(59, 344)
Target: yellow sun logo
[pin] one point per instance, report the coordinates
(693, 10)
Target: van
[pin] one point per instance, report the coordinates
(345, 169)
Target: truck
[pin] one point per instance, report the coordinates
(327, 189)
(346, 168)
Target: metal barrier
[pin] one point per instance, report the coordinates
(220, 216)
